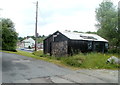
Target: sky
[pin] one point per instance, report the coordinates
(53, 15)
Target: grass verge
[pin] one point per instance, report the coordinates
(39, 55)
(88, 60)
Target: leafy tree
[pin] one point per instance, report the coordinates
(20, 38)
(43, 36)
(40, 40)
(39, 36)
(0, 34)
(9, 36)
(89, 32)
(107, 17)
(77, 31)
(33, 37)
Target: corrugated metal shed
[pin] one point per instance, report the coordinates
(69, 43)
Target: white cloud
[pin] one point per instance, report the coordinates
(53, 15)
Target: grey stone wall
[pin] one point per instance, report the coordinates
(60, 48)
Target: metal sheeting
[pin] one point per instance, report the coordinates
(83, 36)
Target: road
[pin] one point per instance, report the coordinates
(21, 69)
(26, 50)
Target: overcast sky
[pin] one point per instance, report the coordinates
(53, 15)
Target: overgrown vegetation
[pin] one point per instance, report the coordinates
(88, 60)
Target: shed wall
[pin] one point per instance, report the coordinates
(60, 48)
(47, 45)
(48, 42)
(76, 46)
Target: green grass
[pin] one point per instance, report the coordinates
(89, 60)
(23, 53)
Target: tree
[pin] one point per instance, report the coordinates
(89, 32)
(20, 39)
(9, 36)
(33, 37)
(77, 31)
(0, 34)
(43, 36)
(107, 17)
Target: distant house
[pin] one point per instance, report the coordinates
(68, 43)
(40, 45)
(28, 42)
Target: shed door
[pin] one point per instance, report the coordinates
(99, 46)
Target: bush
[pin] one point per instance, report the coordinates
(114, 50)
(75, 60)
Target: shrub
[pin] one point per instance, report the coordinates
(75, 60)
(114, 50)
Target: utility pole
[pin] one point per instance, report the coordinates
(36, 26)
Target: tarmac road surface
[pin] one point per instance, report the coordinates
(21, 69)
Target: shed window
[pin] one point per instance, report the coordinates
(89, 45)
(106, 45)
(54, 37)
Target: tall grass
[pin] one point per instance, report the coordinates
(97, 61)
(88, 60)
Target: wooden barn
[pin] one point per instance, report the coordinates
(68, 43)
